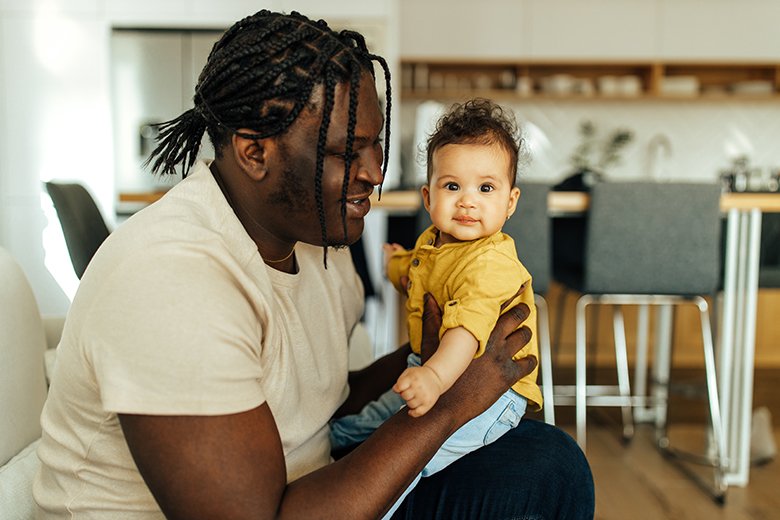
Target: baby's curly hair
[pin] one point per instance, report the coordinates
(477, 121)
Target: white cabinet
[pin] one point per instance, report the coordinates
(441, 28)
(744, 30)
(719, 30)
(153, 74)
(596, 29)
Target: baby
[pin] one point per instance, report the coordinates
(471, 269)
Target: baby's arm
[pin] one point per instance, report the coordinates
(397, 261)
(421, 386)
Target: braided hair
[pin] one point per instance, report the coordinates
(260, 75)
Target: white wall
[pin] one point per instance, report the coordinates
(55, 120)
(56, 124)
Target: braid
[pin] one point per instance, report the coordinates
(179, 142)
(388, 109)
(260, 76)
(354, 89)
(330, 88)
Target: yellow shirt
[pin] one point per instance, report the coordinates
(470, 280)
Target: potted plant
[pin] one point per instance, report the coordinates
(594, 156)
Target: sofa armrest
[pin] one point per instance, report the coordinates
(52, 328)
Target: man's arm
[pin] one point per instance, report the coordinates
(372, 381)
(233, 466)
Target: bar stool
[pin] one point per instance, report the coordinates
(653, 244)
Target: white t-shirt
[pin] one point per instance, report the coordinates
(178, 315)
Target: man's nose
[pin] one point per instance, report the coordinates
(370, 168)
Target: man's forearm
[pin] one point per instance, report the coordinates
(367, 481)
(369, 383)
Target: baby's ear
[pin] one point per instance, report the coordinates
(425, 191)
(514, 196)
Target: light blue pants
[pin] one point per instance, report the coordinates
(484, 429)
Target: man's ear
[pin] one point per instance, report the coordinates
(251, 155)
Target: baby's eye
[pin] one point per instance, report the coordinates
(451, 186)
(486, 188)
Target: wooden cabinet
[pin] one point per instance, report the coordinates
(603, 80)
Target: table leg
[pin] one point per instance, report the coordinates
(737, 349)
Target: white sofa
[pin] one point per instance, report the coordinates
(27, 344)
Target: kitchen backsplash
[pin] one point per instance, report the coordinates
(673, 140)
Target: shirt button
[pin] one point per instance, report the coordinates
(415, 262)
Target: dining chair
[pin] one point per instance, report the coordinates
(531, 228)
(82, 223)
(647, 244)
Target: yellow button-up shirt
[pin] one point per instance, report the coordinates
(470, 280)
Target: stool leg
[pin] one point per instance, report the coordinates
(621, 362)
(543, 333)
(661, 369)
(642, 413)
(712, 394)
(580, 366)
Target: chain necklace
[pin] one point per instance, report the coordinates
(218, 178)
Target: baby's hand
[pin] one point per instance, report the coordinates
(389, 250)
(420, 387)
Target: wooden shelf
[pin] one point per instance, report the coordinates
(585, 81)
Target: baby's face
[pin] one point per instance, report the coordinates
(470, 195)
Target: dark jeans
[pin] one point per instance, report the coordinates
(534, 472)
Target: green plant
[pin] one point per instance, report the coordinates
(607, 150)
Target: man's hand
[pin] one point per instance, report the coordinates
(420, 387)
(431, 323)
(491, 374)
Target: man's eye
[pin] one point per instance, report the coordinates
(486, 188)
(343, 156)
(451, 186)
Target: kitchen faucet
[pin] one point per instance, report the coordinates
(659, 153)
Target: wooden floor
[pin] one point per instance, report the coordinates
(635, 481)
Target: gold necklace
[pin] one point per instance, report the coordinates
(218, 178)
(281, 260)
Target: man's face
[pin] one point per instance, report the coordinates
(294, 192)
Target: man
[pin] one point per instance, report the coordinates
(206, 348)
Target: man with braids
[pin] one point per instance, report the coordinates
(206, 348)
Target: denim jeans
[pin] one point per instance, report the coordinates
(503, 416)
(533, 472)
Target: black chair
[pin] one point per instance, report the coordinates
(81, 221)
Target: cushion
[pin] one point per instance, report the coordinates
(16, 478)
